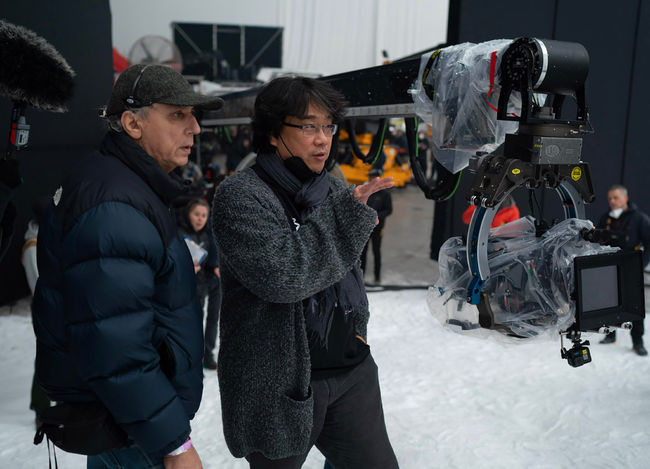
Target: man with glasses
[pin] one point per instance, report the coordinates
(295, 368)
(117, 319)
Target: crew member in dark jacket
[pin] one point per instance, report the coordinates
(382, 202)
(294, 366)
(116, 314)
(630, 229)
(194, 228)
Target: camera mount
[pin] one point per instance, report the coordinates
(577, 355)
(450, 89)
(545, 152)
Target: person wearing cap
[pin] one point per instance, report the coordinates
(116, 315)
(382, 202)
(294, 366)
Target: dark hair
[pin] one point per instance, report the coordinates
(618, 187)
(290, 96)
(194, 202)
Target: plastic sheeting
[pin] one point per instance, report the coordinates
(462, 112)
(531, 278)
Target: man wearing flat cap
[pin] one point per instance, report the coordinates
(117, 320)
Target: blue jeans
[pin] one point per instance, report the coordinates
(124, 458)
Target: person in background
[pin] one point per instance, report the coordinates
(194, 228)
(39, 400)
(630, 229)
(233, 156)
(238, 149)
(295, 369)
(382, 202)
(116, 315)
(507, 212)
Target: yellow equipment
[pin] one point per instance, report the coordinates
(357, 172)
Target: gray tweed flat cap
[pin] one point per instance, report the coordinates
(142, 85)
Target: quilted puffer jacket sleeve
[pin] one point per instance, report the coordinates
(111, 256)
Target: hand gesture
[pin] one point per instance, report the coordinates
(362, 192)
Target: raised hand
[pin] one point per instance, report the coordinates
(362, 192)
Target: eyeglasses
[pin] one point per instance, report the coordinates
(309, 130)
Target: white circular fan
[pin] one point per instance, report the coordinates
(156, 50)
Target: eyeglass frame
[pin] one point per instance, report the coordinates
(322, 128)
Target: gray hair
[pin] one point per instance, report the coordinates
(114, 122)
(618, 187)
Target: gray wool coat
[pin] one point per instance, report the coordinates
(267, 269)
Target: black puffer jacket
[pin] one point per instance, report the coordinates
(631, 230)
(115, 309)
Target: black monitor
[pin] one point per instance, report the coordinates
(609, 289)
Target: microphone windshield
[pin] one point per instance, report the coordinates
(32, 70)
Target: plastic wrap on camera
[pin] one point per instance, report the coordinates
(459, 102)
(531, 278)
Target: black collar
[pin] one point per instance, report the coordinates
(166, 186)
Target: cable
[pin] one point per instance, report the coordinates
(376, 146)
(447, 182)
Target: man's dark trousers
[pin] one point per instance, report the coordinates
(212, 291)
(349, 427)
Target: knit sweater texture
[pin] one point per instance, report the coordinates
(267, 268)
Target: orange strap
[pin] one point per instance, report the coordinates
(28, 244)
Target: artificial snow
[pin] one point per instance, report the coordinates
(451, 401)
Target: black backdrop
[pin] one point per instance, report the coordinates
(617, 37)
(262, 47)
(81, 32)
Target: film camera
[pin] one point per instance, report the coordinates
(528, 278)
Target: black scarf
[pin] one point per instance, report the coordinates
(307, 190)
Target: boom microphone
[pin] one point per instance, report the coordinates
(32, 70)
(32, 73)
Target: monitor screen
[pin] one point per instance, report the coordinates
(599, 287)
(609, 289)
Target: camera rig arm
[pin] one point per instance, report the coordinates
(545, 152)
(379, 92)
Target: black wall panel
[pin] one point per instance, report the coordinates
(636, 169)
(81, 32)
(262, 47)
(481, 21)
(610, 68)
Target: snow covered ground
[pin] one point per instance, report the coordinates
(451, 401)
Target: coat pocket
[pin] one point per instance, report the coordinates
(167, 359)
(296, 419)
